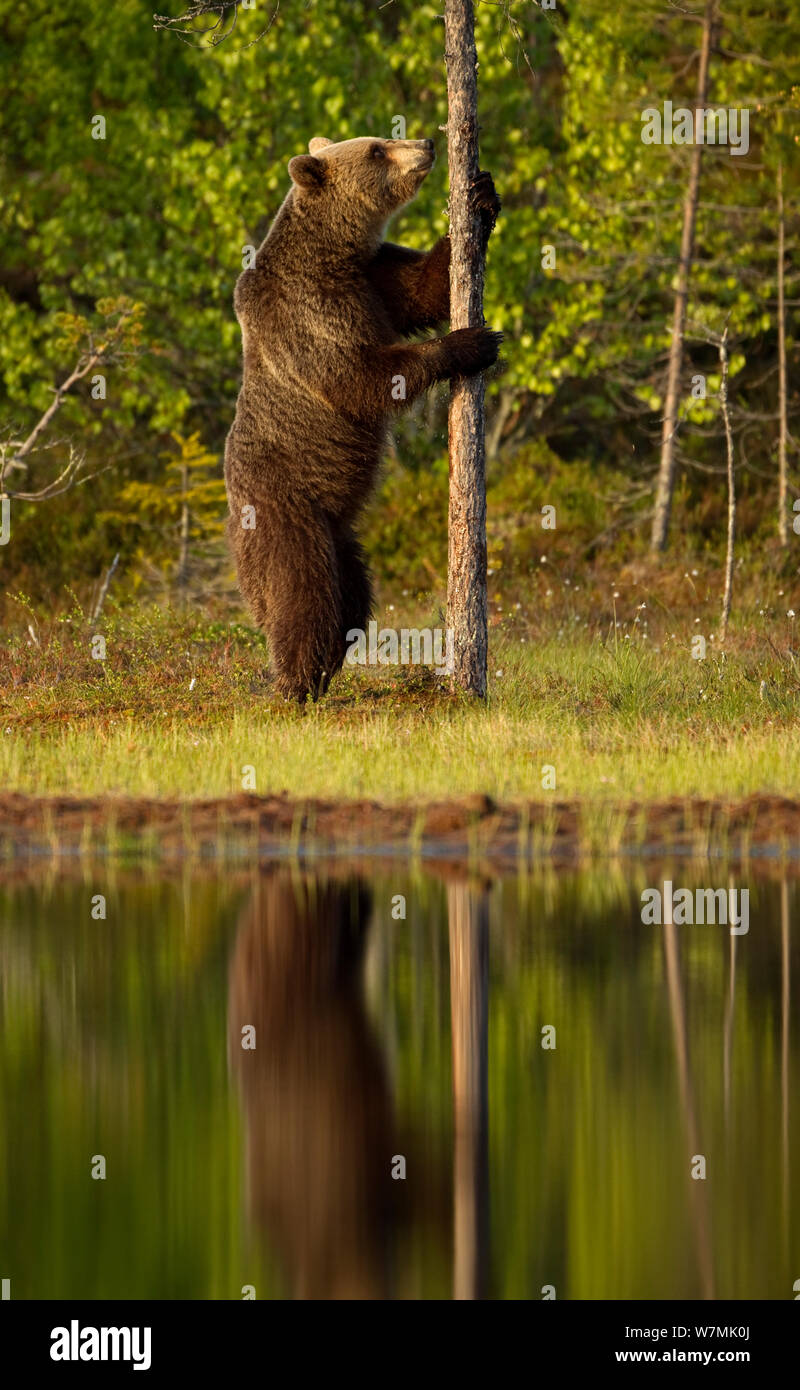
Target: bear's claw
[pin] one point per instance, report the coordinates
(485, 200)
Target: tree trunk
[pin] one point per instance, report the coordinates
(466, 585)
(183, 553)
(101, 597)
(726, 420)
(666, 471)
(783, 518)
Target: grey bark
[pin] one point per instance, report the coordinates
(726, 420)
(783, 481)
(101, 598)
(183, 552)
(466, 584)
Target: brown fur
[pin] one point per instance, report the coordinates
(324, 313)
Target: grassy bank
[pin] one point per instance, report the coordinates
(180, 707)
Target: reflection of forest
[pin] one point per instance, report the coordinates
(378, 1038)
(321, 1127)
(321, 1133)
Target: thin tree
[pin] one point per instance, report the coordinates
(185, 532)
(467, 604)
(729, 552)
(783, 482)
(666, 471)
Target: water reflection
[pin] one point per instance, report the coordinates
(549, 1069)
(319, 1121)
(697, 1192)
(468, 921)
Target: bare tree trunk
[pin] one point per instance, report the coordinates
(101, 598)
(183, 554)
(726, 419)
(505, 405)
(783, 519)
(666, 471)
(466, 585)
(468, 915)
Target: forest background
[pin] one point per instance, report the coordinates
(137, 164)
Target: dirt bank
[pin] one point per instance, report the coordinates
(766, 826)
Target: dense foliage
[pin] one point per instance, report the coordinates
(193, 165)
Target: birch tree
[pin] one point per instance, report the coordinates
(666, 471)
(783, 429)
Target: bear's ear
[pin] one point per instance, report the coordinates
(320, 142)
(307, 171)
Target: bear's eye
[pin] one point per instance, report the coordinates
(378, 152)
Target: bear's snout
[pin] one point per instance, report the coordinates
(413, 155)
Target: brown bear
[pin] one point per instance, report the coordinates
(325, 312)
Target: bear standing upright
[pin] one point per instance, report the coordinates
(325, 312)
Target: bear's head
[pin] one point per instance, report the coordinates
(358, 184)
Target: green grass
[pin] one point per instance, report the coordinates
(618, 717)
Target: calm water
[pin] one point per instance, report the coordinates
(383, 1043)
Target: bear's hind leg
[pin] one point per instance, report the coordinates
(288, 572)
(356, 587)
(303, 607)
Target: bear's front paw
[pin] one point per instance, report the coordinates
(484, 199)
(472, 350)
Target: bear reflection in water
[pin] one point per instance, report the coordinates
(320, 1129)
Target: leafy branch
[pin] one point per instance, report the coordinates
(119, 338)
